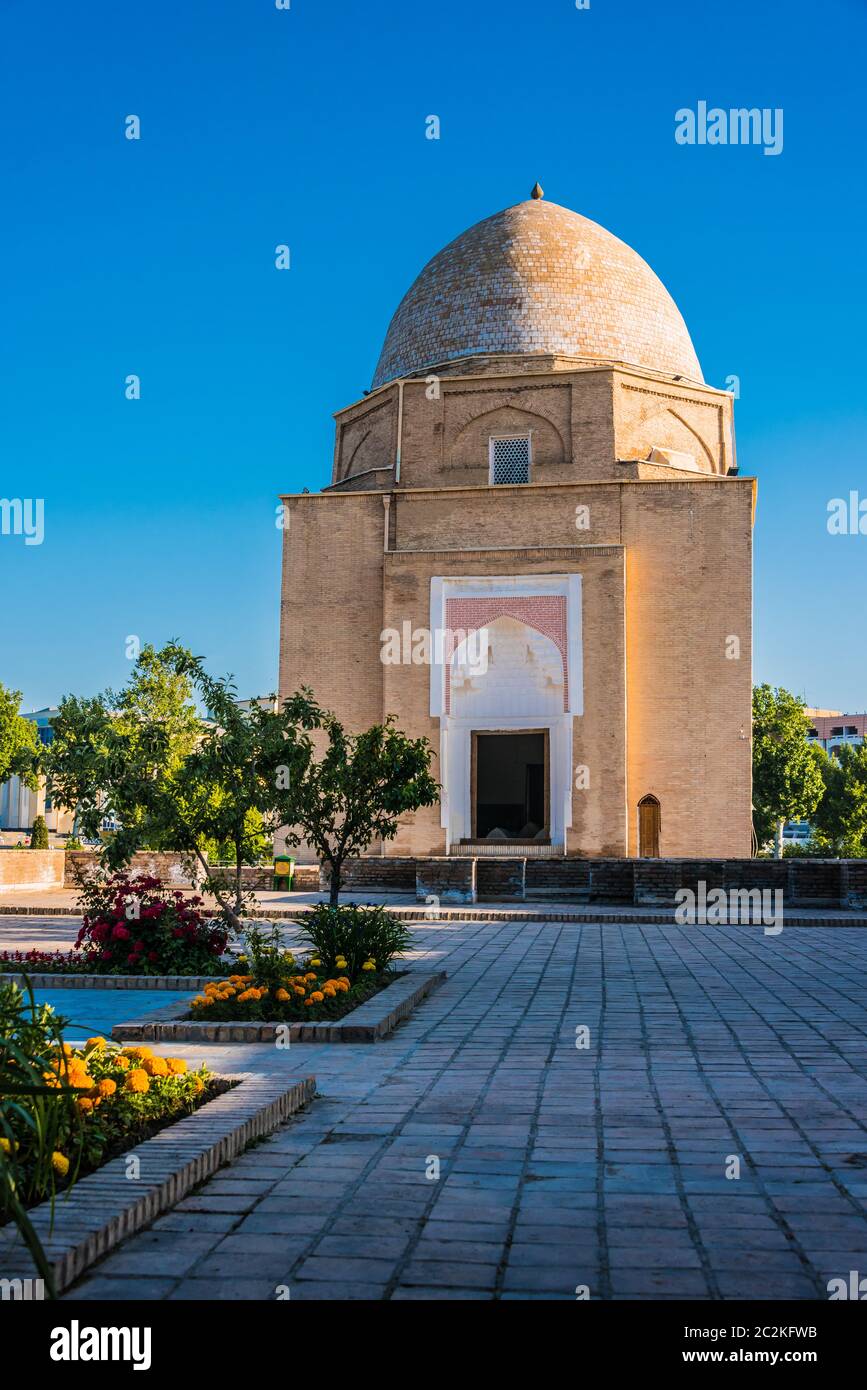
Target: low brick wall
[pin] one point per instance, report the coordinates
(31, 868)
(378, 874)
(854, 883)
(805, 883)
(498, 879)
(446, 880)
(172, 869)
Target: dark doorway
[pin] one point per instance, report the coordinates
(648, 827)
(510, 786)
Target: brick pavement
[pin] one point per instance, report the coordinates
(559, 1166)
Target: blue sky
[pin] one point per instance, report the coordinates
(307, 127)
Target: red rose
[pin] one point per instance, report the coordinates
(152, 956)
(120, 933)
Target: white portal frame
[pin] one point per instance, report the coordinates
(456, 733)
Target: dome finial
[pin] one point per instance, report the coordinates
(537, 191)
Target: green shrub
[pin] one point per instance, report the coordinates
(265, 957)
(36, 1120)
(354, 934)
(39, 834)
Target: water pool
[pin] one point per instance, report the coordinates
(95, 1011)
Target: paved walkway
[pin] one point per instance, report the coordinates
(558, 1166)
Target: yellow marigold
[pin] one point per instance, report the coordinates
(155, 1066)
(137, 1081)
(60, 1163)
(96, 1043)
(6, 1145)
(176, 1065)
(340, 962)
(317, 996)
(106, 1087)
(369, 965)
(282, 995)
(317, 961)
(198, 1084)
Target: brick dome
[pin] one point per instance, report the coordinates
(537, 279)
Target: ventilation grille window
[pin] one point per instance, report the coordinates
(510, 460)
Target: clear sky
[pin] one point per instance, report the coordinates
(306, 126)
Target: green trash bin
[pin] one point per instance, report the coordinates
(284, 869)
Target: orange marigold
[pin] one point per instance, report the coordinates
(176, 1065)
(137, 1081)
(106, 1087)
(155, 1066)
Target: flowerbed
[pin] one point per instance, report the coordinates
(132, 927)
(64, 1111)
(348, 960)
(307, 993)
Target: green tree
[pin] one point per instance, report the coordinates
(841, 816)
(39, 834)
(19, 744)
(171, 779)
(788, 781)
(247, 772)
(357, 790)
(150, 725)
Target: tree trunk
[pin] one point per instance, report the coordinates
(778, 839)
(334, 895)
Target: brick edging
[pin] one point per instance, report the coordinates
(54, 980)
(106, 1206)
(372, 1020)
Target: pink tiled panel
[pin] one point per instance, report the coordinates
(544, 612)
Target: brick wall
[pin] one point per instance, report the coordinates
(646, 882)
(171, 869)
(30, 868)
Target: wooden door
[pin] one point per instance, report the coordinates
(648, 827)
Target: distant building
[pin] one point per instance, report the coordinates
(832, 730)
(19, 806)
